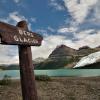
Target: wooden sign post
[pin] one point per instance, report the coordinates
(11, 35)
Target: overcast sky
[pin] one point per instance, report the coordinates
(74, 23)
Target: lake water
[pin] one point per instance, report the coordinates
(58, 72)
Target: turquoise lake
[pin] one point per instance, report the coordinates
(58, 72)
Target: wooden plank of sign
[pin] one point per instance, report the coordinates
(17, 36)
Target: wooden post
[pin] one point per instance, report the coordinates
(26, 69)
(21, 36)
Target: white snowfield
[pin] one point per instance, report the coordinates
(90, 59)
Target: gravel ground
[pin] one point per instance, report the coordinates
(59, 88)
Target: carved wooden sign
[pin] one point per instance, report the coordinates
(19, 35)
(16, 36)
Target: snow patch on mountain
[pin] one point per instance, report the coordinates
(90, 59)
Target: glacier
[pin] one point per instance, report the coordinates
(90, 59)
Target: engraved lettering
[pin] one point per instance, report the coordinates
(16, 38)
(20, 32)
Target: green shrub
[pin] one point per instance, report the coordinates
(42, 77)
(6, 80)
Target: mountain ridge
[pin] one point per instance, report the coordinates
(61, 57)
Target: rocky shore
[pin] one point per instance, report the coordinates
(58, 88)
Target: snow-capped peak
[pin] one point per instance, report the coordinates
(90, 59)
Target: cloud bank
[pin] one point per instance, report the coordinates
(84, 26)
(79, 9)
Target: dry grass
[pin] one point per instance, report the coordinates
(60, 88)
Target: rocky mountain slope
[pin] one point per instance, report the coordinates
(85, 50)
(62, 51)
(58, 58)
